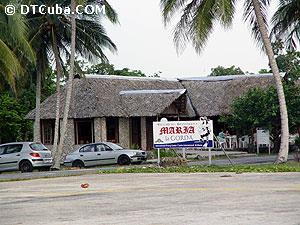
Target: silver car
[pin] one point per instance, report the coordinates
(104, 153)
(24, 156)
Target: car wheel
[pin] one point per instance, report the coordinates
(78, 163)
(26, 167)
(124, 160)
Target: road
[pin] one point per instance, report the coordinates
(176, 199)
(242, 160)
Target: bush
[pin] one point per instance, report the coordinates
(166, 153)
(135, 146)
(167, 162)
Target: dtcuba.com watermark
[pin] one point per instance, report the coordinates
(56, 9)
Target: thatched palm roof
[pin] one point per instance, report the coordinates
(212, 96)
(104, 96)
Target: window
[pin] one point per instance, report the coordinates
(84, 131)
(38, 147)
(2, 148)
(114, 146)
(102, 148)
(10, 149)
(88, 148)
(135, 128)
(112, 126)
(48, 127)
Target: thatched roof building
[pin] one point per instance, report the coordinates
(122, 109)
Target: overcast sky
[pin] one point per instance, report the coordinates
(145, 44)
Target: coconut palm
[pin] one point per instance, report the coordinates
(51, 37)
(69, 86)
(286, 23)
(14, 47)
(196, 23)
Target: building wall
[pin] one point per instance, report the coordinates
(100, 129)
(124, 132)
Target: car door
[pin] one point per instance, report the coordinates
(10, 156)
(105, 154)
(88, 155)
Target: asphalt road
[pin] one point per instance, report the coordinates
(218, 198)
(241, 160)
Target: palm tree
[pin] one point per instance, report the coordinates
(14, 47)
(286, 23)
(69, 86)
(197, 22)
(51, 37)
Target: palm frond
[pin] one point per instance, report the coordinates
(197, 19)
(250, 18)
(286, 23)
(170, 7)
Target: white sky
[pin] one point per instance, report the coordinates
(145, 44)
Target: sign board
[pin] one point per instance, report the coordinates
(263, 137)
(183, 134)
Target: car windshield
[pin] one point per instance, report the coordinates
(38, 147)
(114, 146)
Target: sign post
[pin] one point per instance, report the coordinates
(209, 156)
(158, 157)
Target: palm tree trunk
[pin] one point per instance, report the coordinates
(58, 76)
(37, 121)
(284, 144)
(69, 87)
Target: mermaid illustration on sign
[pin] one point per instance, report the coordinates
(206, 132)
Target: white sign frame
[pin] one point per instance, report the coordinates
(183, 134)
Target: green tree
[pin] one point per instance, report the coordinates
(222, 71)
(197, 22)
(102, 69)
(262, 71)
(109, 69)
(10, 119)
(259, 108)
(289, 63)
(128, 72)
(13, 126)
(15, 106)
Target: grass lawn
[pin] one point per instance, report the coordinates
(269, 168)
